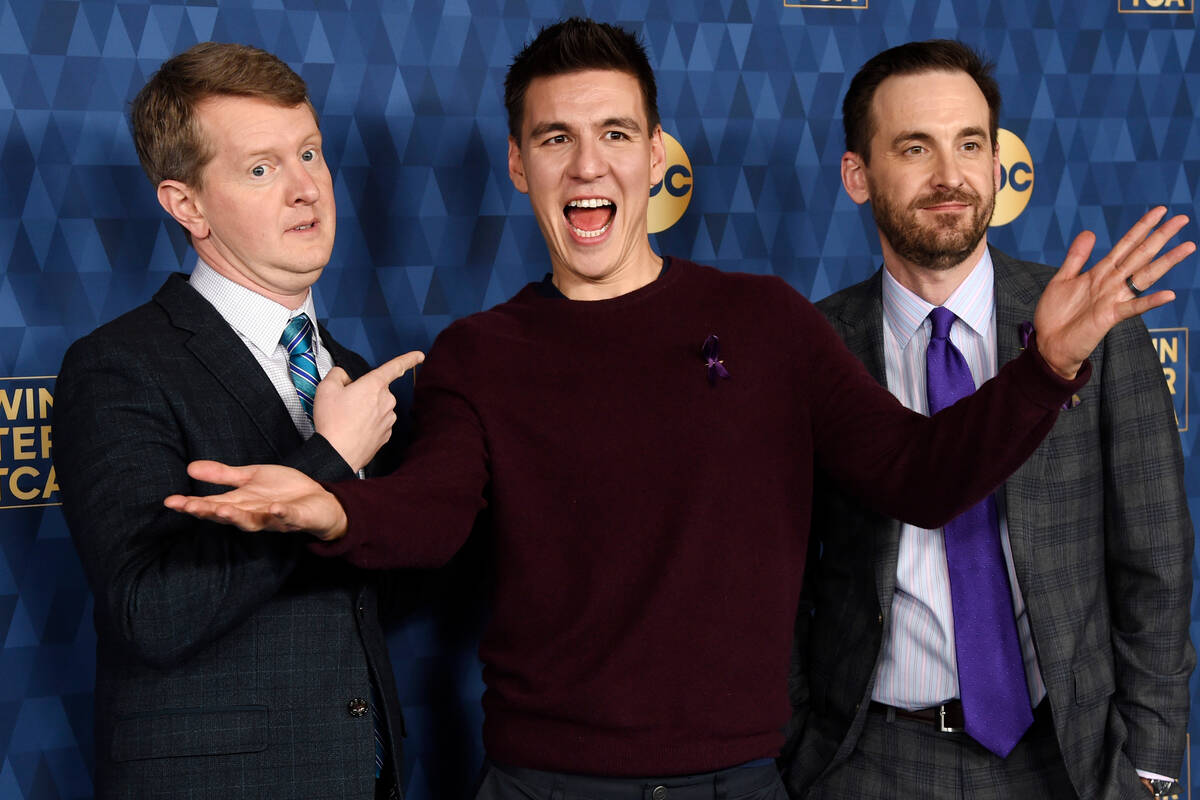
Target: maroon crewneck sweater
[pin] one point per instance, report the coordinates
(650, 524)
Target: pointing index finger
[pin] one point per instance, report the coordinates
(391, 370)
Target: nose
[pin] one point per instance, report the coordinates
(587, 160)
(947, 172)
(303, 189)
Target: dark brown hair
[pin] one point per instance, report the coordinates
(574, 45)
(935, 55)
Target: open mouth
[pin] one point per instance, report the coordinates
(590, 217)
(305, 227)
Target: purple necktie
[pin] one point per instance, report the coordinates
(991, 672)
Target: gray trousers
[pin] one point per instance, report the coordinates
(911, 760)
(738, 783)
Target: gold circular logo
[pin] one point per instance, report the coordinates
(1016, 178)
(669, 197)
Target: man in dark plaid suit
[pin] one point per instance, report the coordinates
(228, 665)
(1095, 532)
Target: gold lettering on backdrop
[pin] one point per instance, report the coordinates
(27, 475)
(1155, 6)
(852, 4)
(1171, 346)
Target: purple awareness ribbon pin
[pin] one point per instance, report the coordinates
(711, 353)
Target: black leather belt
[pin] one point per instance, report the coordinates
(947, 718)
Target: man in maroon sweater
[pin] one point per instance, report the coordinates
(644, 432)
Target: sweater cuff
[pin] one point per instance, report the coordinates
(1041, 384)
(342, 546)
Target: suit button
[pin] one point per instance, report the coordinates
(358, 707)
(879, 619)
(659, 793)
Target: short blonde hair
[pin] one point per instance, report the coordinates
(166, 132)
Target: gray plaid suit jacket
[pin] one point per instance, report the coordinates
(1102, 546)
(227, 662)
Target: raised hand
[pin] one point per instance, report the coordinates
(357, 416)
(1078, 308)
(265, 497)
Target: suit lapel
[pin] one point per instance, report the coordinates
(1017, 293)
(341, 356)
(860, 321)
(219, 350)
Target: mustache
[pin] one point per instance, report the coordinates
(959, 195)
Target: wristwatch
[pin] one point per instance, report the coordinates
(1165, 790)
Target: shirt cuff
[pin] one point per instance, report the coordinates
(1152, 776)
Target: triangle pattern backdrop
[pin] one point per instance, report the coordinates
(430, 228)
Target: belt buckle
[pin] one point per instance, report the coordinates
(942, 721)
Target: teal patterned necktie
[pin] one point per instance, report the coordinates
(302, 365)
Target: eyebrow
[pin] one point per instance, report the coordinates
(921, 136)
(261, 152)
(626, 123)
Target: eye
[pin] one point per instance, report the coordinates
(915, 150)
(308, 155)
(258, 170)
(560, 138)
(972, 146)
(615, 136)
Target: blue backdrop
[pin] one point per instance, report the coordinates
(1100, 93)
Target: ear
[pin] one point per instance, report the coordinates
(996, 166)
(516, 167)
(658, 155)
(854, 177)
(180, 201)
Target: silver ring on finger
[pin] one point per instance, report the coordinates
(1133, 287)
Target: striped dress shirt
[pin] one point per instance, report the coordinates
(918, 667)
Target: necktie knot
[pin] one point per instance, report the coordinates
(941, 318)
(297, 335)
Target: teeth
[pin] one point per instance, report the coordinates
(591, 234)
(591, 202)
(302, 227)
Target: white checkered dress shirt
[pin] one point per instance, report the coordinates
(260, 323)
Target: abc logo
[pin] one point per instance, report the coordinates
(669, 197)
(1016, 178)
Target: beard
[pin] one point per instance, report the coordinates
(940, 246)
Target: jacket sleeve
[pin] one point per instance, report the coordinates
(165, 585)
(1148, 550)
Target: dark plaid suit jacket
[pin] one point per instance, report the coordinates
(229, 665)
(1102, 546)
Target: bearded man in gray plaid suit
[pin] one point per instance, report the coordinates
(228, 666)
(1094, 530)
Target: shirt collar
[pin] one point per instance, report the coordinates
(971, 302)
(255, 317)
